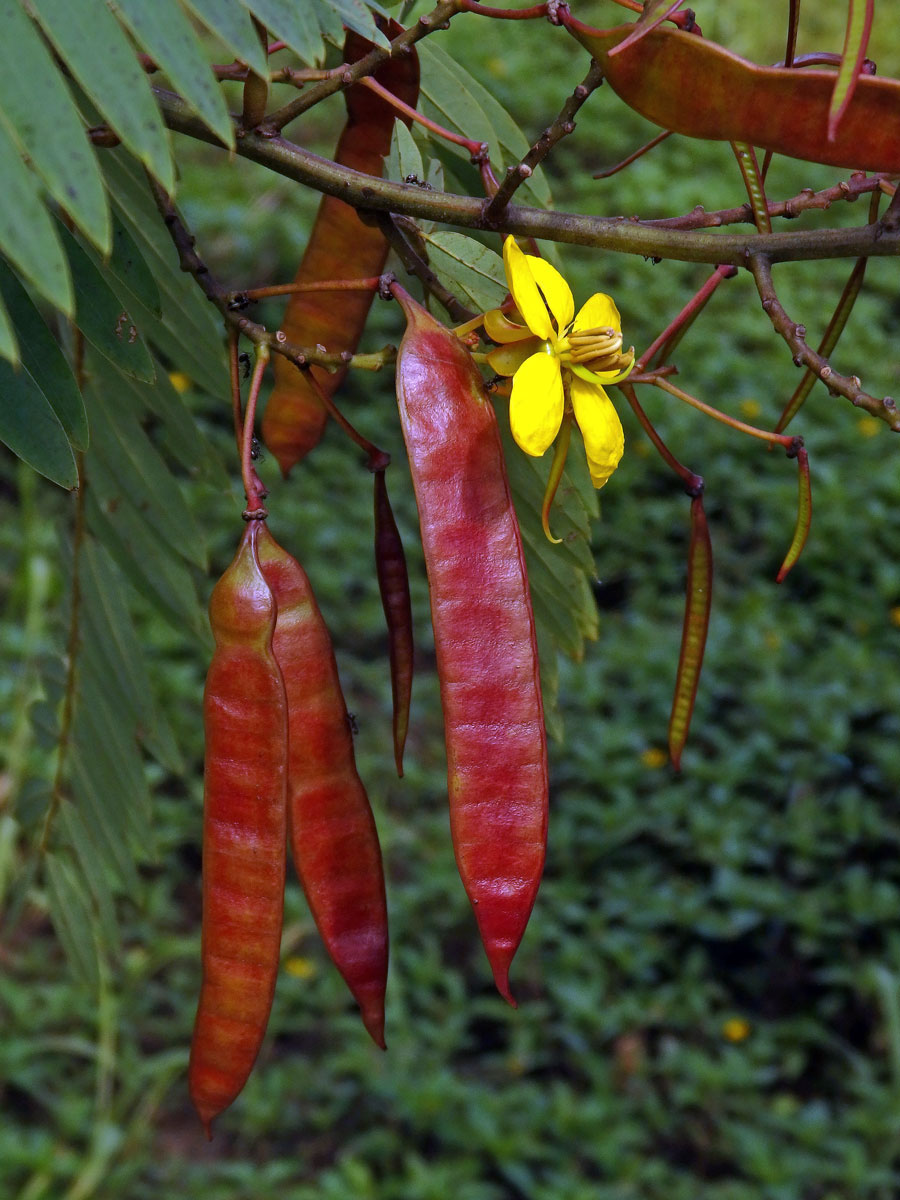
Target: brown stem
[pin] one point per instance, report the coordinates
(619, 234)
(693, 484)
(561, 127)
(252, 488)
(804, 355)
(416, 265)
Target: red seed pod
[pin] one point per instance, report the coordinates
(245, 797)
(393, 583)
(332, 831)
(483, 631)
(695, 87)
(340, 247)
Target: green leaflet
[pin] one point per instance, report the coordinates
(472, 272)
(351, 13)
(70, 911)
(28, 236)
(44, 360)
(94, 47)
(460, 102)
(231, 24)
(101, 317)
(166, 34)
(31, 429)
(38, 109)
(293, 23)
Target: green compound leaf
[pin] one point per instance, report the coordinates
(94, 47)
(293, 23)
(31, 429)
(101, 316)
(231, 24)
(473, 273)
(39, 112)
(44, 360)
(167, 36)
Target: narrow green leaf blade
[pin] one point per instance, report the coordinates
(44, 359)
(40, 113)
(231, 25)
(28, 236)
(31, 429)
(293, 23)
(71, 916)
(93, 46)
(102, 318)
(355, 16)
(128, 267)
(473, 273)
(94, 874)
(9, 346)
(166, 34)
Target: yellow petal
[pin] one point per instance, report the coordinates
(599, 312)
(536, 403)
(500, 328)
(524, 290)
(604, 438)
(556, 291)
(506, 360)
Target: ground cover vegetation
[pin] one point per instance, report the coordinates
(709, 987)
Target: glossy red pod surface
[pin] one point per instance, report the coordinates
(244, 833)
(484, 632)
(693, 86)
(341, 246)
(332, 832)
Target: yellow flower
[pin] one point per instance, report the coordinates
(735, 1029)
(559, 362)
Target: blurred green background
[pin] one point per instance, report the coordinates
(709, 987)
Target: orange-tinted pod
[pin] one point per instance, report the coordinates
(244, 833)
(693, 86)
(393, 583)
(332, 831)
(340, 247)
(483, 631)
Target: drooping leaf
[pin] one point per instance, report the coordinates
(354, 15)
(9, 346)
(472, 272)
(293, 23)
(128, 266)
(141, 474)
(71, 915)
(856, 41)
(93, 46)
(44, 360)
(404, 158)
(101, 317)
(31, 429)
(462, 103)
(28, 236)
(145, 560)
(163, 30)
(117, 655)
(92, 871)
(38, 109)
(230, 22)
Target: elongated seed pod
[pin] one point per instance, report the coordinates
(693, 86)
(340, 247)
(332, 831)
(698, 602)
(393, 583)
(244, 833)
(483, 631)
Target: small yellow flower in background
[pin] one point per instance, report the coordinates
(559, 362)
(180, 382)
(735, 1029)
(869, 426)
(894, 615)
(654, 758)
(750, 408)
(300, 968)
